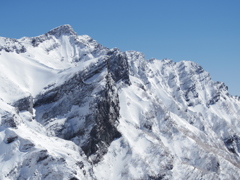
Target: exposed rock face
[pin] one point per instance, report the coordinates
(24, 104)
(118, 66)
(28, 152)
(95, 128)
(99, 113)
(12, 45)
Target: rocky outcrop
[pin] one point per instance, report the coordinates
(93, 110)
(118, 66)
(24, 104)
(12, 45)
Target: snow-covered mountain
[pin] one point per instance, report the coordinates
(73, 109)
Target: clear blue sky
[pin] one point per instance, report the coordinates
(203, 31)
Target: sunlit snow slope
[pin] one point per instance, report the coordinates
(73, 109)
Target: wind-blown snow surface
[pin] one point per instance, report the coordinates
(73, 109)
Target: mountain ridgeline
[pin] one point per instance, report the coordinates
(72, 109)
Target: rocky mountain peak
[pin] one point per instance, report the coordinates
(62, 30)
(73, 109)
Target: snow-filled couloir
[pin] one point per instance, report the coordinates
(73, 109)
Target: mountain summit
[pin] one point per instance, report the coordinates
(73, 109)
(62, 30)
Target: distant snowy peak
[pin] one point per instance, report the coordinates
(19, 46)
(63, 43)
(59, 48)
(64, 33)
(61, 39)
(62, 30)
(29, 64)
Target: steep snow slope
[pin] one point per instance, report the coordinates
(27, 152)
(72, 109)
(176, 123)
(30, 64)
